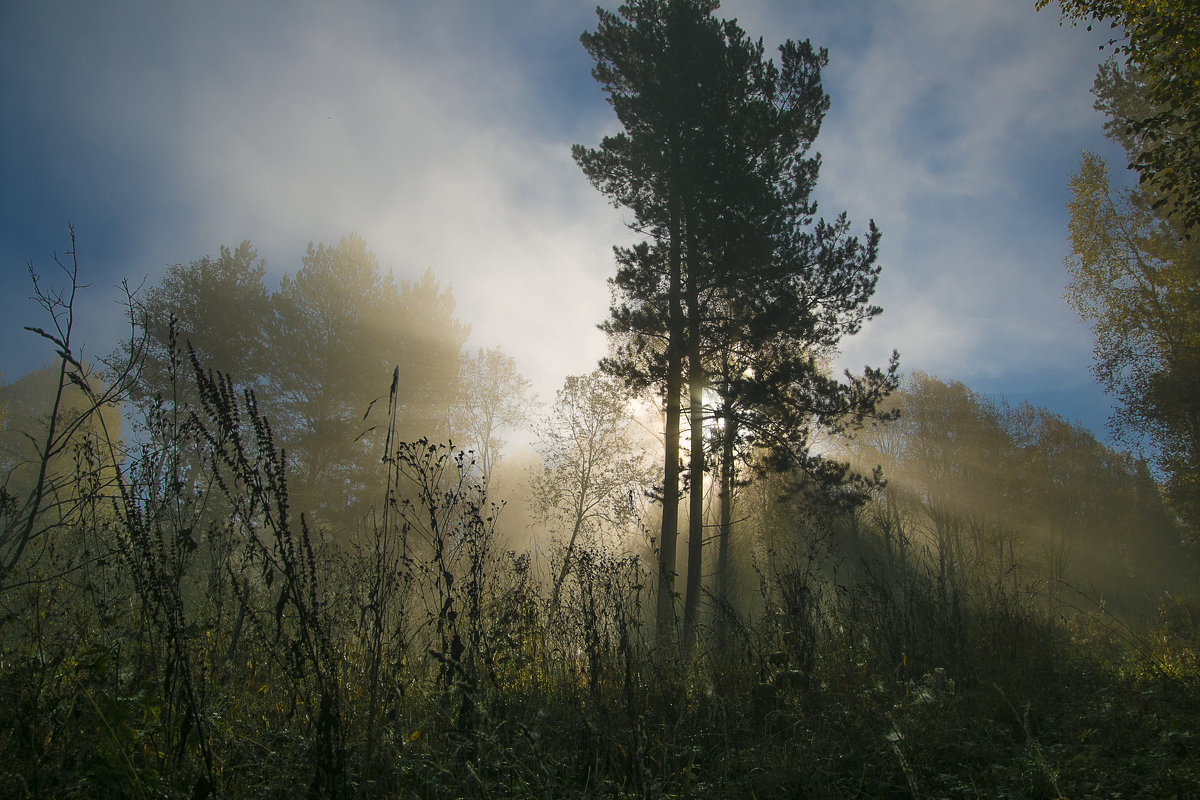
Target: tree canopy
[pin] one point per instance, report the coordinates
(1137, 283)
(318, 352)
(991, 493)
(1160, 40)
(1134, 263)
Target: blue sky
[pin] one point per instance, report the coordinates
(440, 132)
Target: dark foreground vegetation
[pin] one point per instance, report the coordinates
(173, 627)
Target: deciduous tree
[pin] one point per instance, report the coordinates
(221, 309)
(1137, 283)
(1160, 41)
(593, 472)
(318, 353)
(494, 397)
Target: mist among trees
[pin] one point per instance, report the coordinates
(295, 537)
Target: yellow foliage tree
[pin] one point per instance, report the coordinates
(1136, 280)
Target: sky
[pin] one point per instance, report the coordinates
(441, 133)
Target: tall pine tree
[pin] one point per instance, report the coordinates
(713, 162)
(648, 62)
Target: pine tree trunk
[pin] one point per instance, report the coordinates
(729, 433)
(665, 617)
(691, 605)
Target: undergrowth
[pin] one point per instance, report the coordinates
(184, 632)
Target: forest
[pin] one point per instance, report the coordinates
(300, 540)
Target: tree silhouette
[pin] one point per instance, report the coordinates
(713, 162)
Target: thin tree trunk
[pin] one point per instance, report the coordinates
(665, 618)
(729, 433)
(691, 605)
(566, 567)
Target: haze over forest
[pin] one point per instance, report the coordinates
(645, 417)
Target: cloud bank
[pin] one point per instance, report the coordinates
(440, 132)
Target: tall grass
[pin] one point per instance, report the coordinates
(184, 632)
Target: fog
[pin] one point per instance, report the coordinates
(468, 479)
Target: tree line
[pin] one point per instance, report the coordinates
(986, 493)
(319, 353)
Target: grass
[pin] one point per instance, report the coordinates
(92, 711)
(183, 633)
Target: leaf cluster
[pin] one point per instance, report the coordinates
(1160, 41)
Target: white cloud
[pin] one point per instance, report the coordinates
(418, 129)
(941, 127)
(440, 132)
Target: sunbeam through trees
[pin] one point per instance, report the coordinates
(307, 533)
